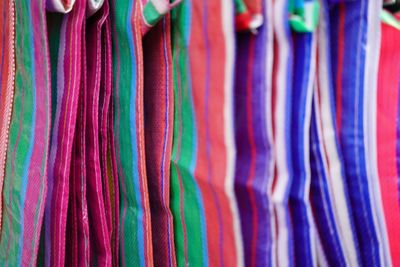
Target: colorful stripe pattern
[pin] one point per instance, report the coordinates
(253, 138)
(353, 24)
(329, 194)
(226, 133)
(69, 77)
(135, 217)
(304, 48)
(25, 180)
(97, 190)
(89, 233)
(186, 198)
(158, 92)
(282, 92)
(202, 194)
(107, 150)
(7, 79)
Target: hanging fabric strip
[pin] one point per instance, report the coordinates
(186, 198)
(354, 31)
(135, 218)
(329, 195)
(69, 76)
(388, 134)
(203, 136)
(304, 48)
(212, 89)
(253, 136)
(25, 182)
(96, 193)
(77, 235)
(281, 104)
(158, 92)
(7, 79)
(106, 135)
(331, 246)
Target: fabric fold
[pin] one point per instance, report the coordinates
(329, 193)
(69, 78)
(253, 138)
(354, 31)
(158, 92)
(135, 215)
(97, 195)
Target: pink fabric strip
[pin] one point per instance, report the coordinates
(97, 204)
(80, 243)
(68, 87)
(108, 162)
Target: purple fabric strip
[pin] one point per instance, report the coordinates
(253, 173)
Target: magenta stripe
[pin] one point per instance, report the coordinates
(35, 196)
(67, 119)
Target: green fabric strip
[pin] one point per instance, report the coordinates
(19, 138)
(125, 86)
(186, 203)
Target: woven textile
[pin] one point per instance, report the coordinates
(203, 155)
(388, 135)
(7, 83)
(199, 133)
(135, 217)
(355, 91)
(158, 92)
(253, 139)
(329, 194)
(25, 178)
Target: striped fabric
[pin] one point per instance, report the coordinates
(98, 201)
(25, 177)
(186, 199)
(135, 217)
(69, 70)
(388, 134)
(158, 92)
(199, 133)
(253, 138)
(106, 140)
(354, 71)
(87, 215)
(329, 194)
(282, 93)
(77, 233)
(207, 229)
(7, 24)
(304, 54)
